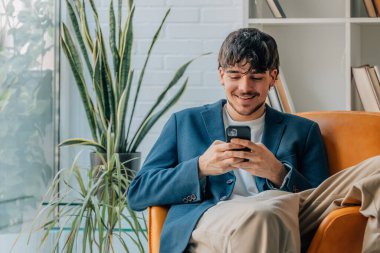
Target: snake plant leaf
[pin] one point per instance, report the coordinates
(93, 7)
(101, 123)
(102, 81)
(84, 22)
(74, 22)
(108, 84)
(72, 55)
(126, 51)
(130, 4)
(81, 141)
(98, 84)
(114, 50)
(110, 142)
(120, 117)
(149, 123)
(119, 17)
(155, 37)
(108, 87)
(179, 73)
(86, 231)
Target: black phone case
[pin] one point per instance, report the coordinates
(241, 132)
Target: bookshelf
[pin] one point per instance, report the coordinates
(318, 43)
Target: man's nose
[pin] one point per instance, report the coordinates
(246, 83)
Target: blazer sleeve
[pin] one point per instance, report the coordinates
(162, 180)
(312, 165)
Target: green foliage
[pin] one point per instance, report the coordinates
(98, 213)
(113, 104)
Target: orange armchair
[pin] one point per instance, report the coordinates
(349, 137)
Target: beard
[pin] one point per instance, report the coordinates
(252, 111)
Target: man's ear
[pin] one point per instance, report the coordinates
(273, 74)
(221, 74)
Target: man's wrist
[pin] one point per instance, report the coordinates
(277, 181)
(200, 173)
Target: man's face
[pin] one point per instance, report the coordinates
(246, 91)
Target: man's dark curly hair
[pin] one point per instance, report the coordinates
(249, 45)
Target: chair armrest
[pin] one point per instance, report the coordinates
(156, 219)
(341, 231)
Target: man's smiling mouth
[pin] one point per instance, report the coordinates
(246, 97)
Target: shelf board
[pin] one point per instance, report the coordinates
(365, 20)
(284, 21)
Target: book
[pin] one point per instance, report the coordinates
(276, 9)
(284, 94)
(268, 101)
(376, 3)
(377, 70)
(375, 82)
(369, 6)
(274, 99)
(365, 89)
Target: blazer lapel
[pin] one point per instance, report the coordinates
(272, 135)
(273, 129)
(213, 121)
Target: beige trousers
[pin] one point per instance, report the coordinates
(275, 221)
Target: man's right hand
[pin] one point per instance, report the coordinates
(217, 159)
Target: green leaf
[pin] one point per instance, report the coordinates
(114, 50)
(149, 122)
(80, 182)
(79, 37)
(179, 73)
(110, 142)
(84, 22)
(155, 37)
(81, 141)
(120, 116)
(72, 55)
(93, 7)
(102, 109)
(122, 139)
(126, 51)
(119, 17)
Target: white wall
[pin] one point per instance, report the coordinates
(193, 28)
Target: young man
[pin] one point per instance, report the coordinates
(222, 199)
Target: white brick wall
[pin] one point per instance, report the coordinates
(194, 27)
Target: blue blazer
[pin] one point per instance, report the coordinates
(169, 175)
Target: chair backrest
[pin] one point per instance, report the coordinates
(349, 136)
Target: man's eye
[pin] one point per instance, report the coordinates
(235, 77)
(257, 78)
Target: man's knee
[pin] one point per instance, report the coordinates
(264, 217)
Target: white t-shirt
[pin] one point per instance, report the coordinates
(245, 184)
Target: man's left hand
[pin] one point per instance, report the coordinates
(261, 162)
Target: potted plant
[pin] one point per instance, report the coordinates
(105, 224)
(112, 108)
(97, 209)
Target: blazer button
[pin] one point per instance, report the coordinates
(185, 200)
(193, 197)
(229, 181)
(223, 198)
(189, 198)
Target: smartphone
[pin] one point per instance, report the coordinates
(241, 132)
